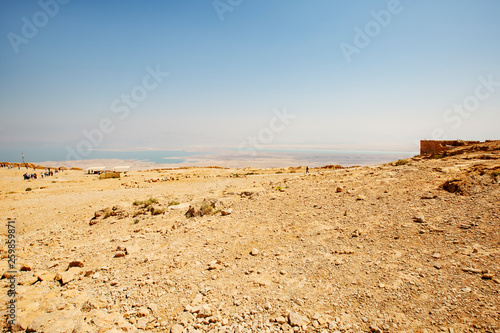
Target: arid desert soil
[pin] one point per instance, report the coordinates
(409, 246)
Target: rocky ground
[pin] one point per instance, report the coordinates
(410, 246)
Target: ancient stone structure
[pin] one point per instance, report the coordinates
(428, 147)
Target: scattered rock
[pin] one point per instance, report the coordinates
(75, 263)
(202, 311)
(142, 312)
(45, 276)
(177, 328)
(419, 218)
(296, 319)
(115, 211)
(207, 207)
(68, 276)
(8, 275)
(119, 254)
(25, 267)
(182, 206)
(185, 318)
(251, 193)
(28, 281)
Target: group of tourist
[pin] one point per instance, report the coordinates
(48, 172)
(9, 166)
(43, 174)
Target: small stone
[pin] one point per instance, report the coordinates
(438, 266)
(142, 312)
(177, 328)
(254, 252)
(339, 189)
(487, 276)
(212, 265)
(419, 218)
(185, 318)
(25, 267)
(45, 276)
(436, 255)
(375, 329)
(69, 275)
(8, 275)
(202, 311)
(28, 281)
(296, 319)
(225, 212)
(360, 197)
(43, 321)
(280, 320)
(75, 263)
(119, 254)
(197, 299)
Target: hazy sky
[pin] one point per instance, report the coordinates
(381, 74)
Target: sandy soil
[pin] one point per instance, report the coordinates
(412, 246)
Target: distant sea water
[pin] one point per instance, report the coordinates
(227, 157)
(321, 157)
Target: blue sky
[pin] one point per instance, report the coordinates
(226, 76)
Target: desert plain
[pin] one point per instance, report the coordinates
(407, 246)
